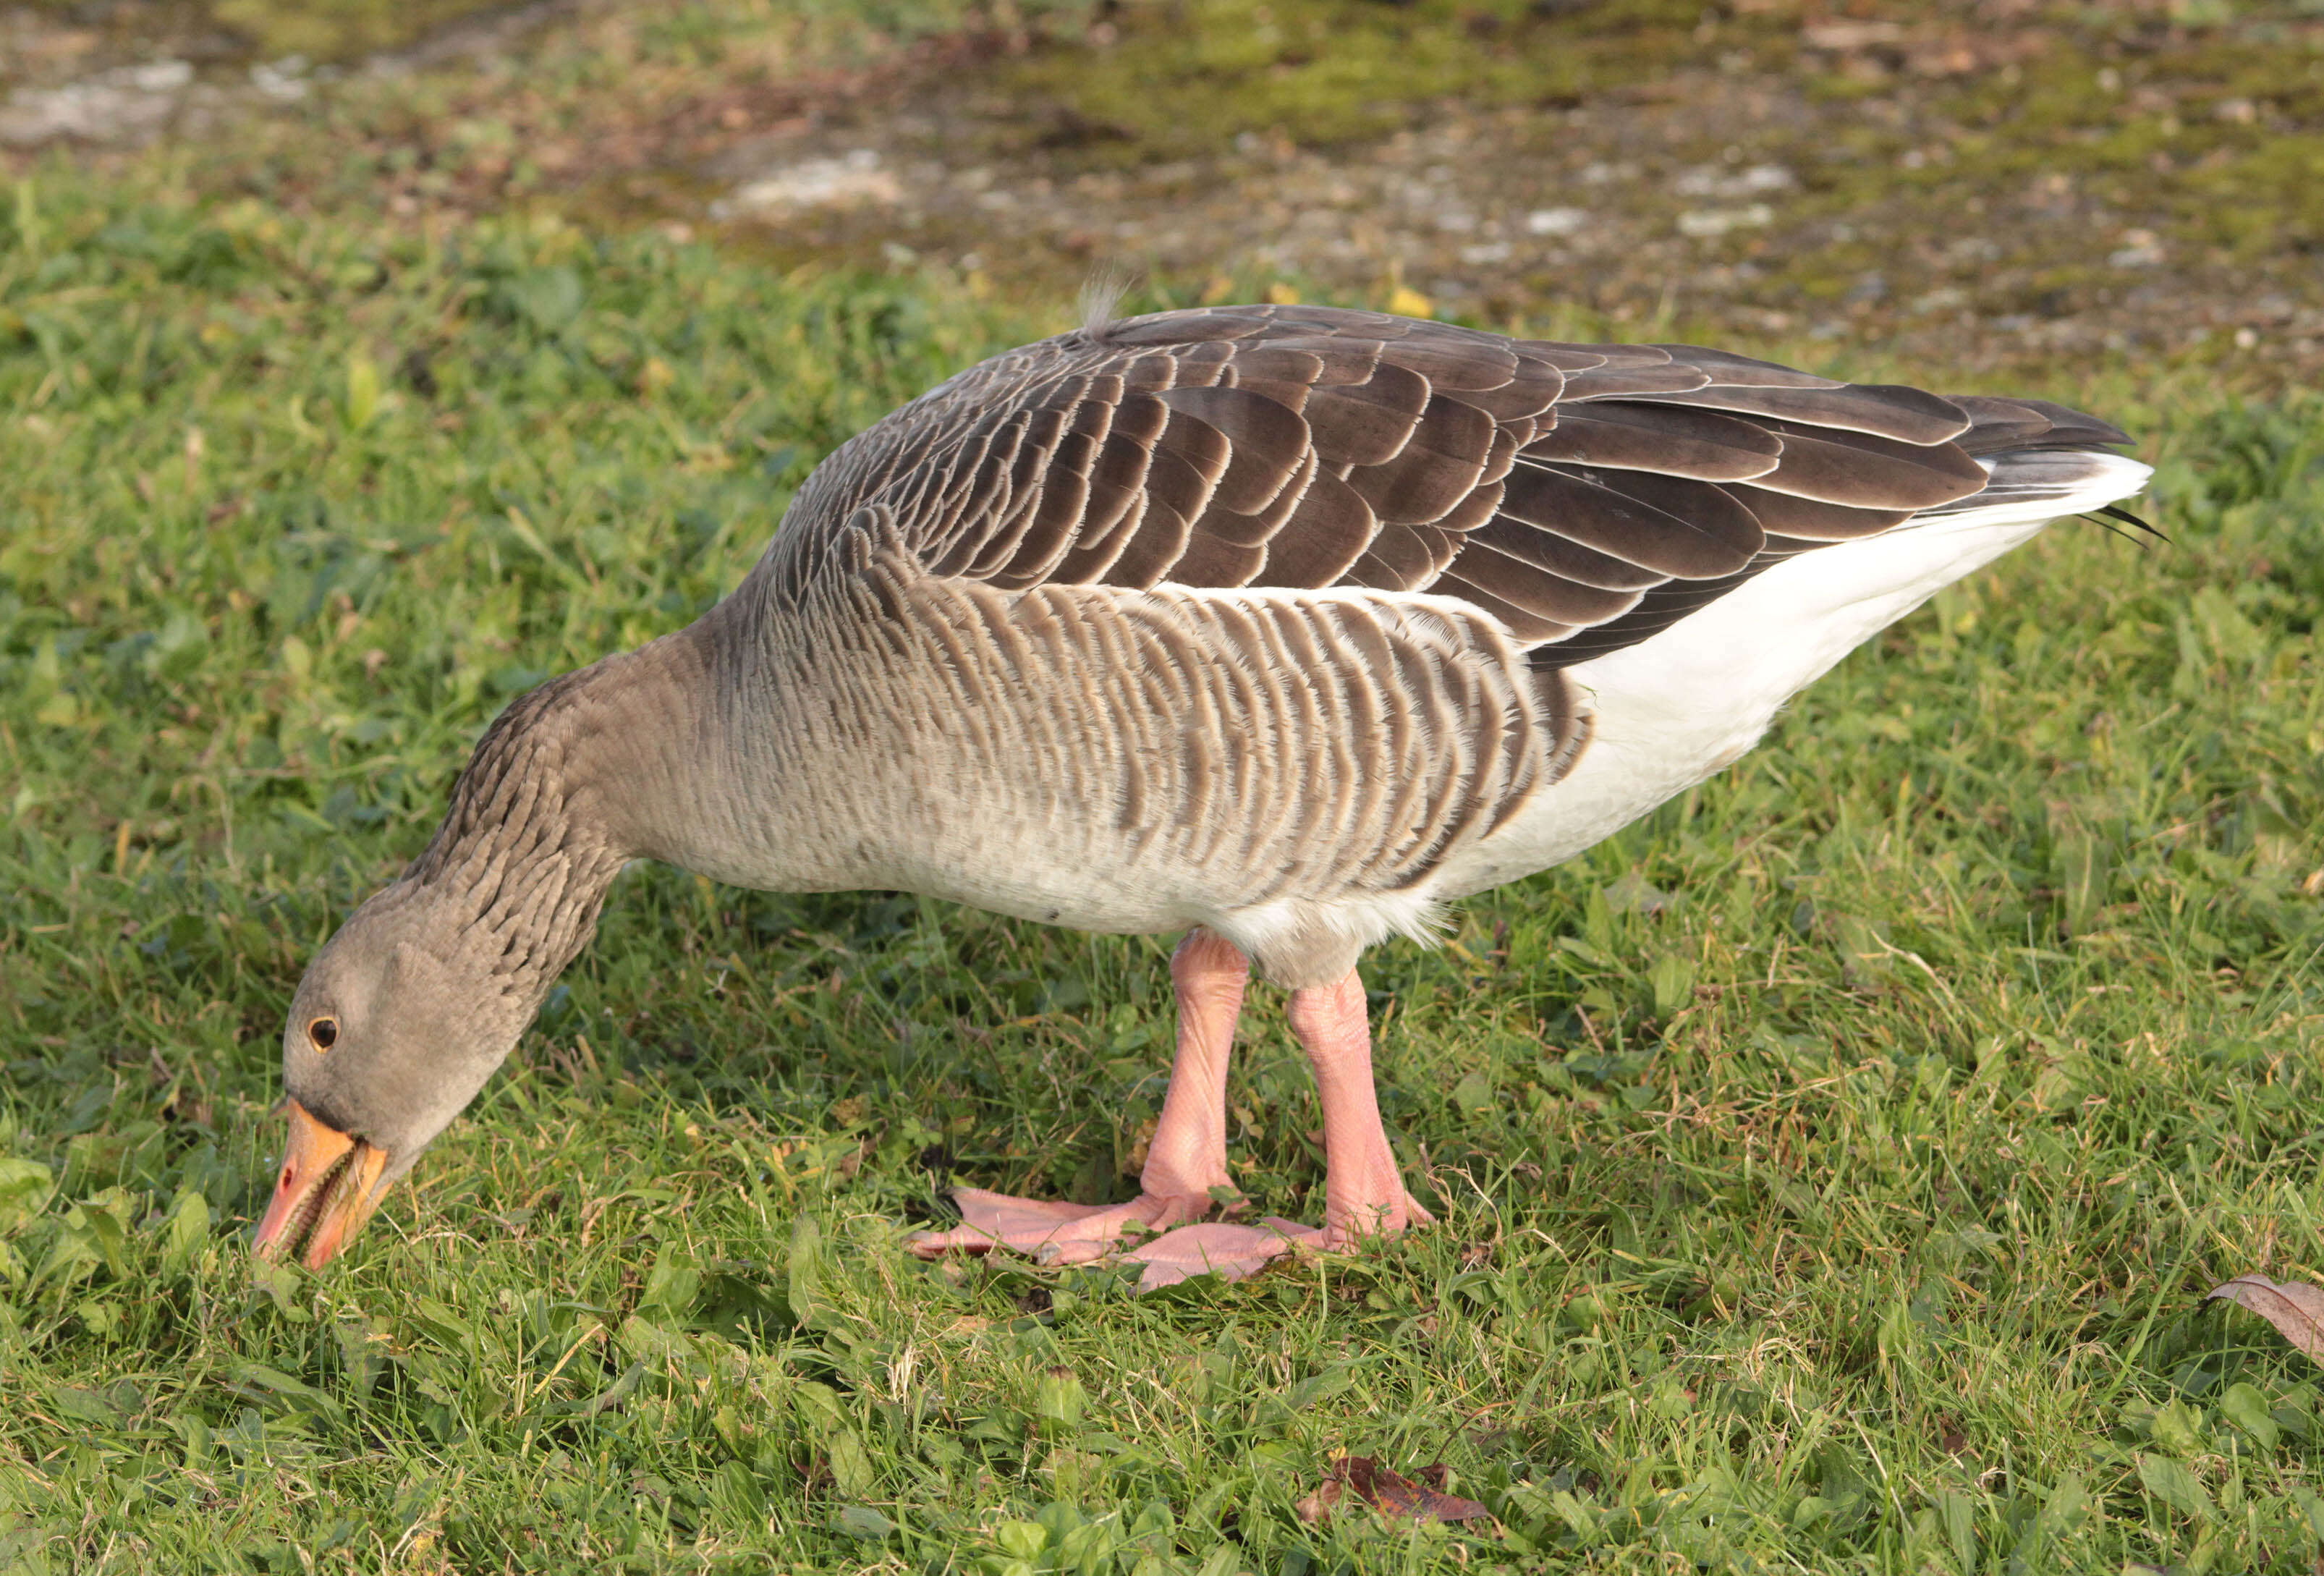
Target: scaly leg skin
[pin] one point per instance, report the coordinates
(1187, 1159)
(1364, 1192)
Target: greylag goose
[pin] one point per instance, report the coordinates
(1282, 627)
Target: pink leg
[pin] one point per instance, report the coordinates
(1188, 1155)
(1363, 1190)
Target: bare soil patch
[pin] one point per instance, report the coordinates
(2019, 185)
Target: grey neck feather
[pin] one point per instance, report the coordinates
(680, 752)
(584, 774)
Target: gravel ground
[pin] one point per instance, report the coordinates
(1729, 198)
(2008, 188)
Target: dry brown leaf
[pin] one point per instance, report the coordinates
(2296, 1310)
(1315, 1509)
(1392, 1494)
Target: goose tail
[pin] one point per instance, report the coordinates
(2044, 461)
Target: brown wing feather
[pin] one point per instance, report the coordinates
(1673, 441)
(1905, 415)
(1586, 495)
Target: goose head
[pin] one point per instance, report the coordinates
(400, 1021)
(406, 1012)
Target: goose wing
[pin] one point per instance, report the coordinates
(1368, 545)
(1585, 495)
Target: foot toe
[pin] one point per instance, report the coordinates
(1348, 1233)
(1052, 1233)
(1217, 1248)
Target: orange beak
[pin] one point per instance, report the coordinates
(329, 1187)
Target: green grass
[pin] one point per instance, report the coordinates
(1829, 1168)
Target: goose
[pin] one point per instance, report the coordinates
(1282, 627)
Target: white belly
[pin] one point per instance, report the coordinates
(1674, 709)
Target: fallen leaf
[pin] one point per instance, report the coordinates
(2296, 1310)
(1392, 1494)
(1315, 1509)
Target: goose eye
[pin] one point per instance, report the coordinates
(324, 1032)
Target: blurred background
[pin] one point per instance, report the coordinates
(1998, 183)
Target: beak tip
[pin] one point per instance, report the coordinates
(330, 1185)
